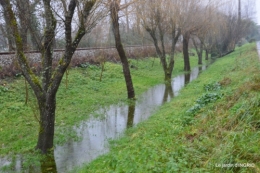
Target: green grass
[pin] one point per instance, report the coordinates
(223, 131)
(84, 94)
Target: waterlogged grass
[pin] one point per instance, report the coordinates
(222, 136)
(83, 95)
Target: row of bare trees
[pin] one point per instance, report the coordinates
(44, 24)
(213, 27)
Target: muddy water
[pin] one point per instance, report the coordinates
(111, 124)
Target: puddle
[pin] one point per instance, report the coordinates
(114, 120)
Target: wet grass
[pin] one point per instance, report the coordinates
(221, 136)
(79, 96)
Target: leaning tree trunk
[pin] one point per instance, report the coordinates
(159, 52)
(175, 37)
(186, 38)
(114, 9)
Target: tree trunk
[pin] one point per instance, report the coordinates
(45, 92)
(207, 54)
(199, 50)
(8, 33)
(24, 16)
(114, 8)
(47, 121)
(186, 38)
(160, 53)
(127, 18)
(175, 37)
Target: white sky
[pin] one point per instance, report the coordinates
(258, 11)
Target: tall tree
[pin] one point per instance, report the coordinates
(158, 18)
(7, 32)
(198, 44)
(193, 19)
(46, 89)
(114, 9)
(185, 50)
(23, 7)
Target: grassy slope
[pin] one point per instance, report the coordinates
(224, 132)
(85, 93)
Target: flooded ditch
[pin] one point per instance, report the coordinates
(111, 124)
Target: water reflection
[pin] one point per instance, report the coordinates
(168, 92)
(200, 69)
(186, 78)
(25, 164)
(131, 114)
(111, 124)
(48, 164)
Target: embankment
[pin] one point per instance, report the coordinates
(212, 126)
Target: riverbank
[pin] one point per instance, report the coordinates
(212, 126)
(80, 94)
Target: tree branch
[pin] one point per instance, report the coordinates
(70, 45)
(22, 59)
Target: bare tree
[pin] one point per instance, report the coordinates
(155, 19)
(46, 89)
(114, 6)
(192, 20)
(7, 32)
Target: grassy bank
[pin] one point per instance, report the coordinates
(83, 95)
(212, 126)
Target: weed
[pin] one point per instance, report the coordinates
(3, 89)
(215, 86)
(206, 98)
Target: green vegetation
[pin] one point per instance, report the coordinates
(222, 133)
(84, 94)
(207, 97)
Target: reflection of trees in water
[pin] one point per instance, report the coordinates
(48, 164)
(131, 114)
(32, 164)
(186, 78)
(200, 69)
(168, 91)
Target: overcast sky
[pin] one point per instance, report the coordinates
(258, 11)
